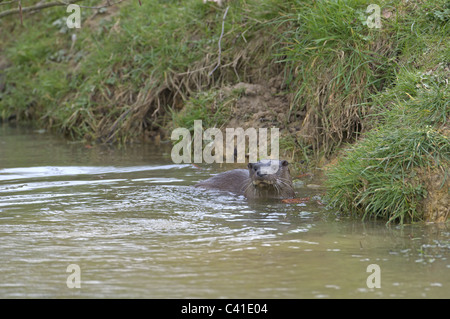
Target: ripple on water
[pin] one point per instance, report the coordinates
(140, 226)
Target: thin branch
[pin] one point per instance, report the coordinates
(7, 2)
(108, 4)
(33, 8)
(20, 13)
(220, 40)
(51, 4)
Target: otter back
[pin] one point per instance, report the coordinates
(232, 181)
(264, 179)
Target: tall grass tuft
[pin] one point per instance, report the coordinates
(380, 176)
(334, 62)
(387, 173)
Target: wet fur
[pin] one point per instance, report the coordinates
(249, 183)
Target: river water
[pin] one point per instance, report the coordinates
(134, 227)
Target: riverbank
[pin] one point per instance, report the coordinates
(317, 71)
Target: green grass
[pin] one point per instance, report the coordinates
(336, 65)
(126, 71)
(211, 107)
(379, 176)
(419, 97)
(335, 62)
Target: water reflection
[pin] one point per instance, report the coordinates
(132, 222)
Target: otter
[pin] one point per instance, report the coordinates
(264, 179)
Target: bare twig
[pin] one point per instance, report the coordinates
(7, 2)
(41, 6)
(33, 8)
(20, 13)
(220, 40)
(108, 4)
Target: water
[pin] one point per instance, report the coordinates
(132, 222)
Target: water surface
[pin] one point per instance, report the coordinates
(135, 226)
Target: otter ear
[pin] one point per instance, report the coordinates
(284, 163)
(250, 165)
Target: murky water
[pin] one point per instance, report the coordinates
(136, 228)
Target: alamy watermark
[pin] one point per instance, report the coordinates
(190, 149)
(74, 279)
(374, 279)
(73, 20)
(374, 20)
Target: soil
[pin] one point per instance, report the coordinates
(436, 205)
(260, 106)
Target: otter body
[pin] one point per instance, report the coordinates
(265, 179)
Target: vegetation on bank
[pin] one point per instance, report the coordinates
(129, 68)
(312, 68)
(395, 167)
(399, 170)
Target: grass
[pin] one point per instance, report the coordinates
(419, 98)
(382, 175)
(378, 178)
(335, 62)
(211, 107)
(126, 72)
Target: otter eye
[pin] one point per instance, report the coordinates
(284, 163)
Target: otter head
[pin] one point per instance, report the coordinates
(269, 178)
